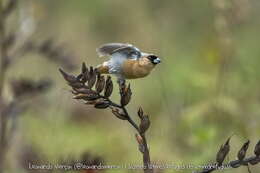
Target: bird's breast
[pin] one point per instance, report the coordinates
(132, 69)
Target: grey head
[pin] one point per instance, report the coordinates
(127, 50)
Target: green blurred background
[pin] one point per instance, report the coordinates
(205, 90)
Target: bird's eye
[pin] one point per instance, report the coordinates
(152, 57)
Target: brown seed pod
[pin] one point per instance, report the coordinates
(67, 77)
(91, 77)
(87, 97)
(140, 141)
(126, 96)
(76, 85)
(79, 77)
(222, 153)
(102, 105)
(100, 84)
(242, 152)
(74, 92)
(84, 91)
(94, 101)
(84, 73)
(84, 78)
(122, 87)
(84, 68)
(140, 113)
(108, 87)
(80, 96)
(144, 125)
(118, 113)
(92, 97)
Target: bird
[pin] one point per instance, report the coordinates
(126, 61)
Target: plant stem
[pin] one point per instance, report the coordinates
(3, 59)
(146, 156)
(146, 153)
(129, 119)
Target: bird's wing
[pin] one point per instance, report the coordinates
(124, 48)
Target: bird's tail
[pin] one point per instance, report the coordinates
(102, 69)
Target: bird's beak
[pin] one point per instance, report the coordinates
(157, 60)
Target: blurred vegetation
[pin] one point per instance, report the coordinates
(196, 98)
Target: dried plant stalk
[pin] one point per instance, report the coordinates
(241, 161)
(82, 88)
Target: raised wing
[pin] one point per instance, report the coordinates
(127, 49)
